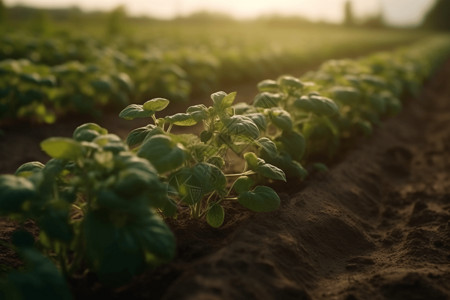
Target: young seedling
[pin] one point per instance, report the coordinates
(195, 166)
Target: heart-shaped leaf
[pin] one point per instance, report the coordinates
(14, 191)
(215, 215)
(156, 104)
(258, 119)
(134, 111)
(268, 85)
(88, 132)
(293, 143)
(270, 171)
(268, 147)
(346, 94)
(62, 148)
(241, 126)
(223, 100)
(281, 119)
(267, 100)
(193, 183)
(29, 168)
(181, 119)
(243, 184)
(163, 153)
(261, 167)
(317, 104)
(138, 135)
(290, 83)
(261, 199)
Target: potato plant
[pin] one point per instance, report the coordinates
(194, 166)
(89, 72)
(99, 202)
(95, 204)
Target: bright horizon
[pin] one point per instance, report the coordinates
(396, 12)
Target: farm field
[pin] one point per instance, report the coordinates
(44, 76)
(374, 227)
(244, 160)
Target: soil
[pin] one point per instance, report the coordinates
(375, 226)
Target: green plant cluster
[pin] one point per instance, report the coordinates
(99, 202)
(66, 72)
(41, 93)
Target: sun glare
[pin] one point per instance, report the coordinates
(395, 11)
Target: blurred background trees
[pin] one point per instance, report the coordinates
(438, 17)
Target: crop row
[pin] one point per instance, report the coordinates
(99, 201)
(43, 77)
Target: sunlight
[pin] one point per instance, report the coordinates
(395, 11)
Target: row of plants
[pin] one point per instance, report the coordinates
(61, 74)
(100, 202)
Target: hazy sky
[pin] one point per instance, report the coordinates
(400, 12)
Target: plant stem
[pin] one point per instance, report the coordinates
(241, 174)
(169, 128)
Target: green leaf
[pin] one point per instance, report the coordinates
(14, 191)
(242, 108)
(118, 245)
(111, 142)
(291, 168)
(268, 85)
(241, 126)
(132, 181)
(365, 127)
(261, 199)
(374, 81)
(29, 168)
(346, 94)
(293, 143)
(258, 119)
(205, 136)
(88, 132)
(217, 161)
(252, 160)
(163, 153)
(156, 104)
(138, 135)
(267, 100)
(40, 279)
(196, 108)
(394, 105)
(317, 104)
(268, 147)
(124, 81)
(55, 222)
(181, 119)
(378, 102)
(134, 111)
(102, 85)
(270, 171)
(215, 215)
(193, 183)
(62, 148)
(281, 119)
(261, 167)
(198, 112)
(223, 100)
(290, 82)
(321, 167)
(243, 184)
(54, 167)
(31, 78)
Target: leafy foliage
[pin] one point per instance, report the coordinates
(100, 205)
